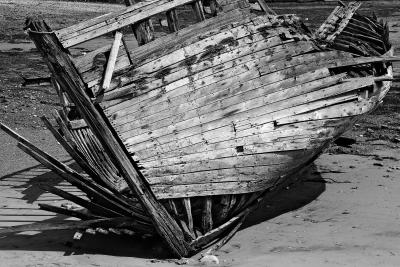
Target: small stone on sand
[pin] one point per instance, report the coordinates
(209, 259)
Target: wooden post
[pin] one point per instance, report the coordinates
(62, 67)
(143, 30)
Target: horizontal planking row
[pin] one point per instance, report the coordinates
(209, 102)
(309, 143)
(203, 72)
(223, 147)
(144, 149)
(230, 157)
(206, 83)
(237, 187)
(194, 58)
(237, 113)
(203, 159)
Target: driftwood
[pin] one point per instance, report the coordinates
(35, 81)
(186, 134)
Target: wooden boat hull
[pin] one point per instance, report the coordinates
(235, 111)
(184, 135)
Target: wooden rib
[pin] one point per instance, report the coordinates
(198, 10)
(206, 219)
(172, 19)
(224, 208)
(188, 212)
(96, 27)
(242, 199)
(87, 186)
(77, 157)
(97, 194)
(91, 157)
(185, 228)
(205, 240)
(231, 233)
(211, 235)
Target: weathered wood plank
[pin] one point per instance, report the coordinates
(337, 111)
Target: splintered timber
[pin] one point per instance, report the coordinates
(183, 135)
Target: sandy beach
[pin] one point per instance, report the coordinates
(344, 212)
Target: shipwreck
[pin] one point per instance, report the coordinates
(183, 135)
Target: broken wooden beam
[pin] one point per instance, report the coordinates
(111, 60)
(123, 222)
(69, 212)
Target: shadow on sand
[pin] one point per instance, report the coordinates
(298, 195)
